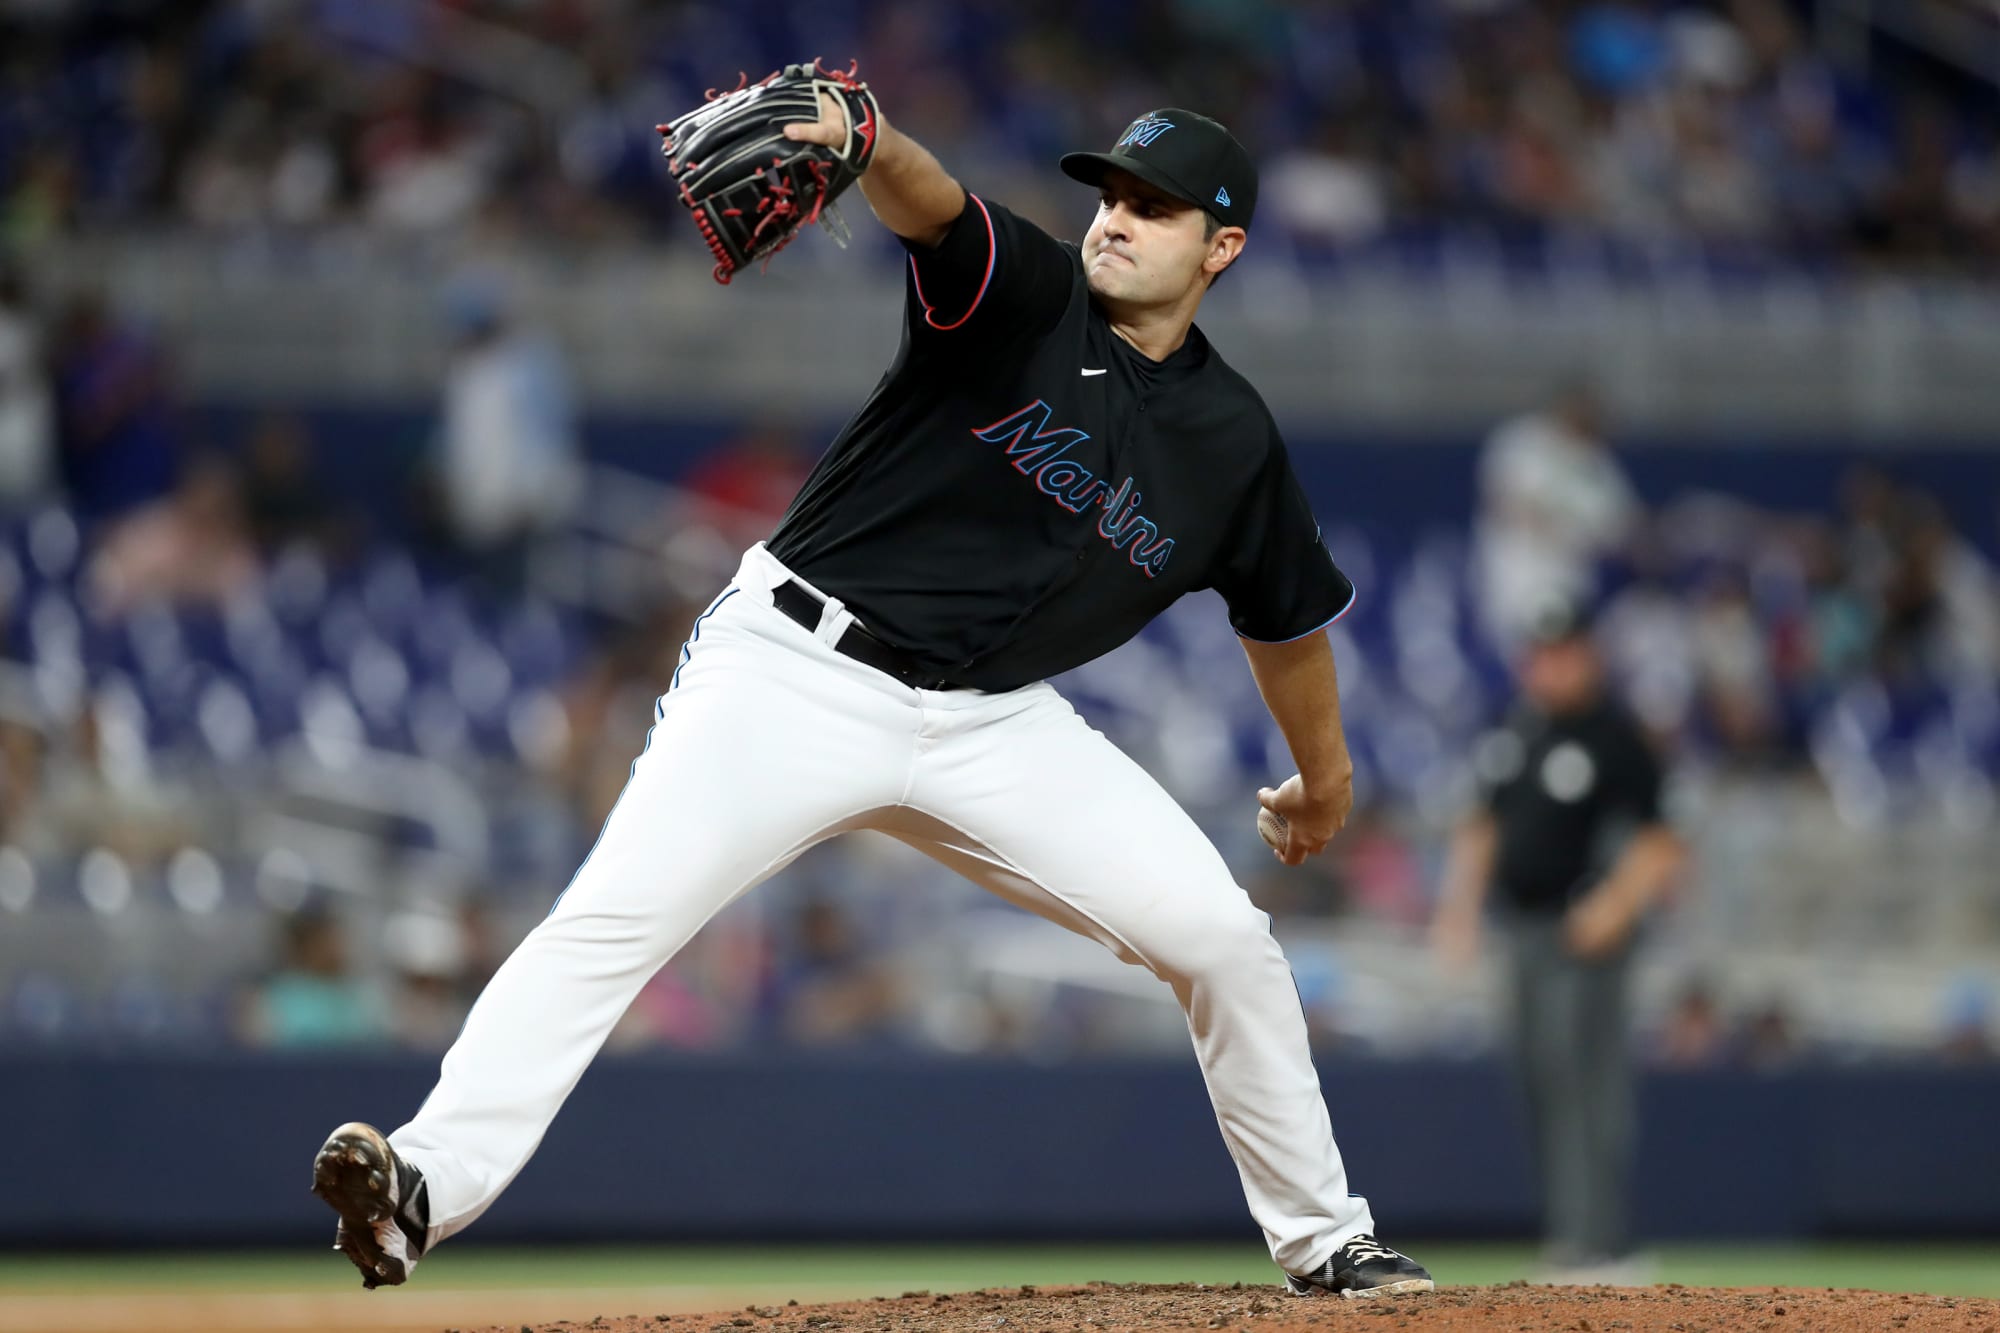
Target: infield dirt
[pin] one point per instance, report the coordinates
(1115, 1308)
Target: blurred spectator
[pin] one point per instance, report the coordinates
(1553, 503)
(1719, 194)
(1379, 868)
(43, 201)
(27, 422)
(672, 1009)
(1647, 631)
(1912, 593)
(1769, 1037)
(314, 998)
(1930, 597)
(1324, 191)
(1693, 1035)
(1733, 665)
(1968, 1022)
(743, 488)
(116, 435)
(1619, 47)
(1945, 596)
(430, 955)
(191, 549)
(1821, 177)
(707, 995)
(508, 456)
(609, 703)
(428, 163)
(22, 750)
(285, 502)
(89, 782)
(1572, 849)
(1872, 523)
(1840, 624)
(829, 987)
(1912, 221)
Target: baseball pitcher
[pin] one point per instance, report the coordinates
(1055, 455)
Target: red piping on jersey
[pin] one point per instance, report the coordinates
(983, 282)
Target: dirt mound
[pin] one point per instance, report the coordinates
(1104, 1307)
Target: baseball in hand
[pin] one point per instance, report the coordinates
(1276, 831)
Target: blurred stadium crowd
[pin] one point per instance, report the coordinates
(282, 766)
(1622, 133)
(242, 718)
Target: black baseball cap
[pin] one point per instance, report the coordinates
(1183, 153)
(1560, 620)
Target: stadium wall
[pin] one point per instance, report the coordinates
(170, 1148)
(1400, 481)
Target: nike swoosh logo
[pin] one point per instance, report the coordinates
(1093, 372)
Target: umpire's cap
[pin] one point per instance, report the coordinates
(1187, 155)
(1560, 620)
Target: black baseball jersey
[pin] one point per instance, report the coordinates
(1024, 490)
(1566, 794)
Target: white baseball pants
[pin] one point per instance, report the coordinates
(768, 741)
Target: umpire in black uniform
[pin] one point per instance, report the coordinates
(1571, 847)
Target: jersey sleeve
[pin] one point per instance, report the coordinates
(1633, 777)
(993, 278)
(1497, 760)
(1276, 574)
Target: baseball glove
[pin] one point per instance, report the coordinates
(749, 187)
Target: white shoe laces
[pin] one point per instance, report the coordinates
(1364, 1248)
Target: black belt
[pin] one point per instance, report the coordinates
(803, 605)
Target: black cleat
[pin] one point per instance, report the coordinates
(383, 1207)
(1363, 1267)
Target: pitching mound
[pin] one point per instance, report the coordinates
(1104, 1307)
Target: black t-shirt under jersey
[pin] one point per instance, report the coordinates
(1024, 490)
(1566, 793)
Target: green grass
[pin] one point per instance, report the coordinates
(1953, 1269)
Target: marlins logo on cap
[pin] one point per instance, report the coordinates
(1141, 132)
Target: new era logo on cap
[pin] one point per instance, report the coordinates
(1222, 196)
